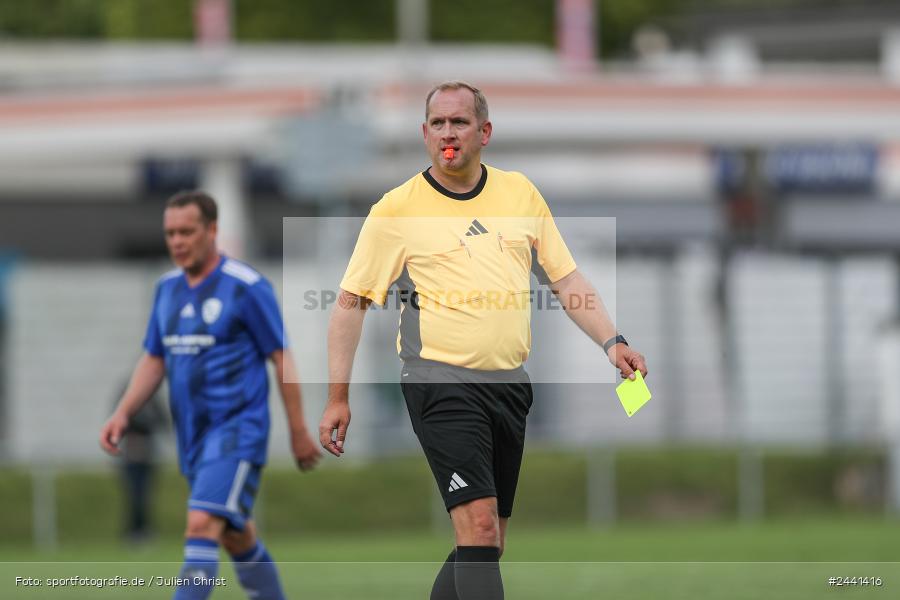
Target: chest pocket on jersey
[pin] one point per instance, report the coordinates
(456, 280)
(517, 264)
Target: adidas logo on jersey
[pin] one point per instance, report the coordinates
(456, 482)
(476, 228)
(188, 311)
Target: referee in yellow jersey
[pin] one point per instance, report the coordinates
(459, 241)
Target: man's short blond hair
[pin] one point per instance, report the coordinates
(481, 106)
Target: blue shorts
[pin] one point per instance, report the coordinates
(226, 488)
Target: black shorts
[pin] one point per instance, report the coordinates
(471, 425)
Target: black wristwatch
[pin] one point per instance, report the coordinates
(619, 339)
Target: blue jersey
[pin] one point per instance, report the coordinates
(215, 339)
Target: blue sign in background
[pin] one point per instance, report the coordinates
(825, 168)
(167, 176)
(819, 168)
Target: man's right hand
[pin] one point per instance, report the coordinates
(627, 361)
(112, 433)
(336, 418)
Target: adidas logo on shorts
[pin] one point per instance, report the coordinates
(456, 482)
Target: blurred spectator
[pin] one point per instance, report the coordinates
(6, 265)
(138, 464)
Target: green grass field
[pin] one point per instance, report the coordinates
(790, 559)
(359, 530)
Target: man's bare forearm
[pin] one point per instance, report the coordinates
(584, 306)
(148, 374)
(344, 331)
(289, 386)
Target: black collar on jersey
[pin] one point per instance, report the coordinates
(456, 195)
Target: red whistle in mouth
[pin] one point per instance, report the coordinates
(448, 153)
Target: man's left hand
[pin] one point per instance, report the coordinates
(627, 361)
(306, 451)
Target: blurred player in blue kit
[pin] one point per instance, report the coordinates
(214, 323)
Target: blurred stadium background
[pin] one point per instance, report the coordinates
(749, 152)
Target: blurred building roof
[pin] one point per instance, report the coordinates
(80, 121)
(804, 30)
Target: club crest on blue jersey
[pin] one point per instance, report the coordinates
(211, 310)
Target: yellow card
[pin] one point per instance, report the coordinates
(633, 394)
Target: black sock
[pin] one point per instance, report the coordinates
(444, 587)
(477, 571)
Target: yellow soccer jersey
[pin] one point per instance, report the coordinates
(462, 264)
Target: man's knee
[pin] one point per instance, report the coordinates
(238, 542)
(485, 524)
(476, 523)
(202, 524)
